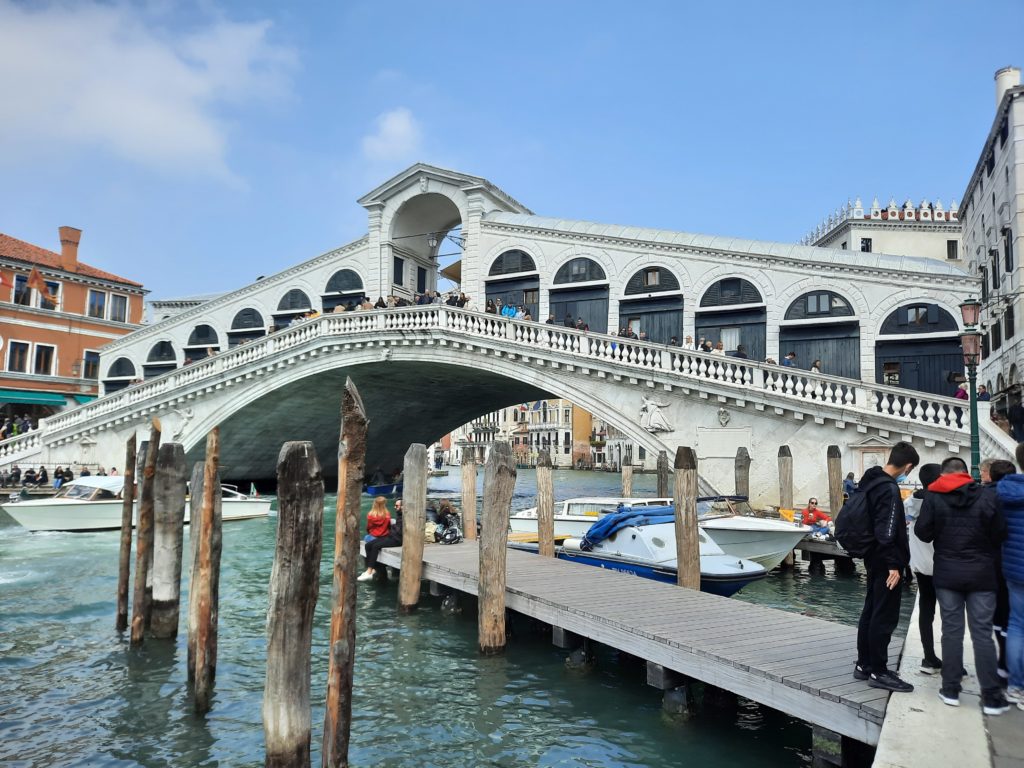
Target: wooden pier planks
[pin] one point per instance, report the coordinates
(796, 664)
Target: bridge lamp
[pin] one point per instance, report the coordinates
(431, 240)
(970, 344)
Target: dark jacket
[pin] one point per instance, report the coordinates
(892, 548)
(965, 521)
(1011, 493)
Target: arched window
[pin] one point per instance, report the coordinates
(511, 262)
(162, 352)
(579, 270)
(122, 368)
(652, 280)
(344, 281)
(731, 290)
(203, 336)
(247, 319)
(294, 301)
(919, 318)
(819, 304)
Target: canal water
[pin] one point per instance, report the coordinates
(72, 693)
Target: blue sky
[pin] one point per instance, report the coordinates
(199, 145)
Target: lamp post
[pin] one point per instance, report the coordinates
(970, 343)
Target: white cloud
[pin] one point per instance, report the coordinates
(396, 136)
(120, 79)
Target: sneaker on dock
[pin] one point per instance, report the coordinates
(950, 698)
(931, 666)
(890, 681)
(1015, 695)
(860, 673)
(994, 705)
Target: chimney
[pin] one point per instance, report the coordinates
(1006, 78)
(69, 238)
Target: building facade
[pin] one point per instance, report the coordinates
(993, 216)
(56, 314)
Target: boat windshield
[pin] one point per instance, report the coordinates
(76, 492)
(723, 507)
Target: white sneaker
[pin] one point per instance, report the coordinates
(1015, 695)
(365, 576)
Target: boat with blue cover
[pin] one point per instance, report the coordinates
(384, 489)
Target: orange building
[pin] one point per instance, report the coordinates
(56, 313)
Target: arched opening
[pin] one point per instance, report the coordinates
(422, 242)
(820, 325)
(653, 307)
(161, 359)
(202, 342)
(580, 291)
(120, 374)
(247, 325)
(732, 311)
(918, 348)
(513, 279)
(293, 305)
(345, 288)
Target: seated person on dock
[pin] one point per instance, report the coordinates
(378, 520)
(815, 518)
(373, 548)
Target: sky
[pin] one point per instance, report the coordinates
(200, 145)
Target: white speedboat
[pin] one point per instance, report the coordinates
(762, 540)
(642, 541)
(95, 503)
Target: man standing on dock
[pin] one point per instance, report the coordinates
(886, 562)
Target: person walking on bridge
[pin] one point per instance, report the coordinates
(886, 560)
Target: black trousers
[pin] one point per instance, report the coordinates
(878, 619)
(374, 547)
(926, 613)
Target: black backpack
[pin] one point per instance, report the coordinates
(855, 530)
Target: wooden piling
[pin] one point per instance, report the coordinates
(144, 539)
(545, 506)
(414, 512)
(627, 481)
(687, 534)
(664, 472)
(195, 486)
(127, 519)
(785, 477)
(169, 526)
(294, 587)
(469, 493)
(499, 482)
(206, 573)
(742, 470)
(834, 462)
(341, 650)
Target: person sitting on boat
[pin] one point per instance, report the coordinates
(373, 548)
(815, 518)
(378, 477)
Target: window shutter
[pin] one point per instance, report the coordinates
(933, 313)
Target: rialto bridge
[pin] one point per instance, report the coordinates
(246, 362)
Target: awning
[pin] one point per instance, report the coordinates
(83, 399)
(453, 271)
(29, 397)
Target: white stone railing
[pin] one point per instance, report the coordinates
(21, 444)
(795, 387)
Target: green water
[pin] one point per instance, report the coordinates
(72, 693)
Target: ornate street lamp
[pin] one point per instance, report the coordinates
(970, 343)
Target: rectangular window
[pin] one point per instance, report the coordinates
(842, 245)
(952, 249)
(865, 244)
(818, 304)
(1008, 250)
(1008, 323)
(398, 268)
(994, 256)
(53, 288)
(17, 357)
(118, 308)
(567, 445)
(578, 269)
(729, 289)
(997, 336)
(730, 338)
(91, 369)
(641, 453)
(984, 284)
(97, 304)
(22, 294)
(44, 360)
(421, 280)
(891, 374)
(917, 315)
(651, 277)
(531, 297)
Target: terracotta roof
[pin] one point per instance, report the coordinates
(18, 250)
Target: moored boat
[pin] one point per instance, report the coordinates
(384, 489)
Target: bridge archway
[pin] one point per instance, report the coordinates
(513, 278)
(652, 302)
(246, 325)
(580, 289)
(161, 359)
(418, 236)
(344, 287)
(822, 325)
(201, 341)
(120, 374)
(293, 304)
(918, 347)
(733, 311)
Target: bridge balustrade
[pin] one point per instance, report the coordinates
(732, 373)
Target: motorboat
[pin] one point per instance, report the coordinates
(763, 540)
(642, 541)
(94, 503)
(384, 489)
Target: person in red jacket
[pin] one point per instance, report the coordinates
(378, 525)
(814, 517)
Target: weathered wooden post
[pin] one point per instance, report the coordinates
(545, 506)
(687, 535)
(169, 525)
(294, 587)
(127, 516)
(469, 492)
(663, 475)
(144, 539)
(742, 470)
(499, 483)
(627, 481)
(414, 512)
(834, 462)
(196, 489)
(342, 648)
(785, 477)
(206, 574)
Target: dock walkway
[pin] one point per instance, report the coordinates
(797, 664)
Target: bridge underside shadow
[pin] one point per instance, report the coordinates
(406, 402)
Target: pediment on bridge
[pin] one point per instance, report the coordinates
(871, 442)
(427, 176)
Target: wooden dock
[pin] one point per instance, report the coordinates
(796, 664)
